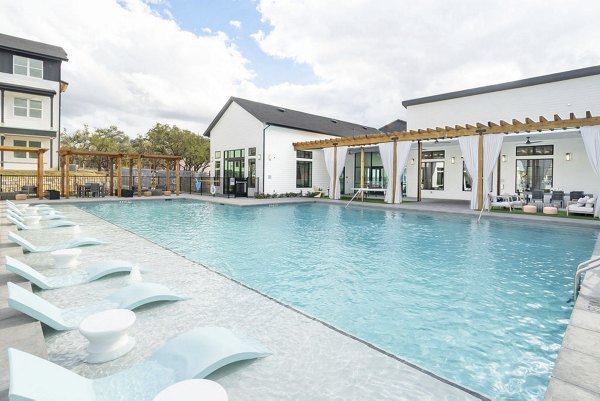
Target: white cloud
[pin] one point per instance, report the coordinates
(236, 24)
(369, 56)
(129, 66)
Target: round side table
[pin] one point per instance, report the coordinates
(529, 209)
(550, 210)
(107, 333)
(193, 390)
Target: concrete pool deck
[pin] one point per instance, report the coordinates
(574, 376)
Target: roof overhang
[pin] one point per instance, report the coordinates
(27, 89)
(27, 132)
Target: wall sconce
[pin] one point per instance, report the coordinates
(271, 157)
(568, 157)
(503, 158)
(258, 156)
(412, 161)
(452, 160)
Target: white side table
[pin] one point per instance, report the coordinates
(107, 333)
(193, 390)
(65, 258)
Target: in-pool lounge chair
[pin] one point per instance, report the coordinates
(73, 243)
(32, 209)
(20, 216)
(90, 273)
(50, 224)
(194, 354)
(129, 297)
(25, 205)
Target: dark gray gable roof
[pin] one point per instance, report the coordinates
(544, 79)
(394, 126)
(283, 117)
(31, 47)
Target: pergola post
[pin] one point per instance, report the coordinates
(362, 173)
(419, 170)
(131, 174)
(177, 180)
(139, 186)
(40, 174)
(395, 171)
(334, 171)
(112, 176)
(119, 175)
(67, 178)
(480, 173)
(168, 175)
(498, 184)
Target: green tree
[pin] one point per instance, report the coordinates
(109, 139)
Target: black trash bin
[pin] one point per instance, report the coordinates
(127, 193)
(52, 194)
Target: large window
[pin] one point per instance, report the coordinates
(433, 154)
(303, 154)
(467, 182)
(534, 174)
(30, 144)
(218, 173)
(28, 66)
(538, 150)
(235, 163)
(374, 174)
(251, 173)
(303, 174)
(432, 176)
(28, 108)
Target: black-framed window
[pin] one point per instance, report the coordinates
(433, 154)
(217, 154)
(303, 174)
(537, 150)
(251, 152)
(467, 181)
(251, 173)
(303, 154)
(534, 174)
(375, 176)
(234, 163)
(432, 176)
(218, 173)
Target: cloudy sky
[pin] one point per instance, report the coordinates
(136, 62)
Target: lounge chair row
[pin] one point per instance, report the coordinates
(172, 372)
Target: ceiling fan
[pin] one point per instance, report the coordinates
(438, 141)
(529, 141)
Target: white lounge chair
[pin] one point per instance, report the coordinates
(73, 243)
(24, 209)
(499, 201)
(194, 354)
(50, 224)
(582, 206)
(42, 216)
(26, 205)
(129, 297)
(90, 273)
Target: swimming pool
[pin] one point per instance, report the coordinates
(483, 305)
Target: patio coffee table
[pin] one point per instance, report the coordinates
(107, 333)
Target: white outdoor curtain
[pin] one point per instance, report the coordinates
(591, 140)
(341, 161)
(492, 144)
(387, 158)
(469, 147)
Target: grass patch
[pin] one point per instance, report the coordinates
(561, 214)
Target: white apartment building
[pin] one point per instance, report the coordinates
(30, 100)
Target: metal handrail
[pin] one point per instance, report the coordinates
(355, 195)
(583, 267)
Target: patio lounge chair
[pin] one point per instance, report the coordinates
(24, 205)
(73, 243)
(582, 206)
(48, 216)
(499, 201)
(129, 297)
(90, 273)
(194, 354)
(50, 224)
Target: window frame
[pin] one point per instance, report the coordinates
(28, 67)
(304, 154)
(466, 174)
(27, 108)
(19, 155)
(438, 187)
(305, 179)
(532, 150)
(217, 177)
(532, 187)
(252, 172)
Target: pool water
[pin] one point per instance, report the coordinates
(484, 305)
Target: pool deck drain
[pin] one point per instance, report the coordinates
(574, 376)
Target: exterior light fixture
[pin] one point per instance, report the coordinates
(503, 158)
(412, 161)
(258, 156)
(568, 156)
(452, 160)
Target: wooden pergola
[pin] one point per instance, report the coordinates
(40, 164)
(118, 158)
(447, 132)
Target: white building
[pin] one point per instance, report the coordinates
(30, 99)
(254, 140)
(528, 161)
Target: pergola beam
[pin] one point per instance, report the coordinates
(502, 127)
(40, 163)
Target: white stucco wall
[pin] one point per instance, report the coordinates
(45, 123)
(563, 97)
(237, 129)
(280, 161)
